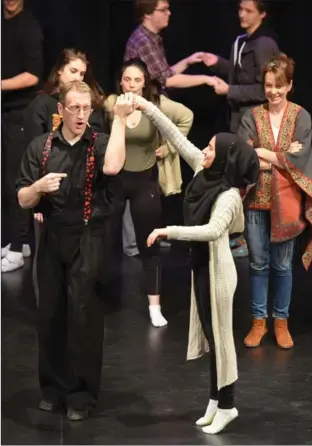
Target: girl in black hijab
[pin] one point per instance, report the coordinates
(212, 210)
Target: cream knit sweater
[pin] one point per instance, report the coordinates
(226, 217)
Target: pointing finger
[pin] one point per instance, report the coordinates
(60, 175)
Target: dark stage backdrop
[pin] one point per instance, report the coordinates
(101, 28)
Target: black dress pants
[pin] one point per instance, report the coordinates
(13, 147)
(71, 319)
(225, 395)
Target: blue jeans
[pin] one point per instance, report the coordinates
(268, 259)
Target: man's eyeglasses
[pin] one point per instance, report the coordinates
(164, 10)
(75, 109)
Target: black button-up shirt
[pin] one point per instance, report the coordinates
(66, 206)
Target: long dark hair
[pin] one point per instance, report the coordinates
(52, 85)
(151, 90)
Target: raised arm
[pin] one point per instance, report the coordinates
(115, 154)
(191, 154)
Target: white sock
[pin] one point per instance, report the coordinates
(25, 250)
(5, 250)
(12, 261)
(209, 414)
(157, 318)
(222, 418)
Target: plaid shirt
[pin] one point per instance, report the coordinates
(148, 47)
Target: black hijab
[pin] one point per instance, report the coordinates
(236, 165)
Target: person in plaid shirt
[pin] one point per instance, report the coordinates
(146, 44)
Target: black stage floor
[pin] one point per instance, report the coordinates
(150, 394)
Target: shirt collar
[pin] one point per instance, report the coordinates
(87, 136)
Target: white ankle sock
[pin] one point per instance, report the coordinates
(5, 250)
(25, 250)
(209, 414)
(157, 318)
(12, 261)
(222, 418)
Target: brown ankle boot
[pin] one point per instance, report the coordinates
(258, 330)
(282, 335)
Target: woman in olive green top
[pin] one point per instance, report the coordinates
(140, 176)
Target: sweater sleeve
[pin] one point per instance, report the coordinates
(222, 67)
(226, 210)
(191, 154)
(180, 115)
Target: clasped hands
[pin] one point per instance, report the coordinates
(219, 85)
(127, 103)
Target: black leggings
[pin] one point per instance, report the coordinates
(225, 395)
(142, 190)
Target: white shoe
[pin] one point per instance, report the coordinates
(12, 261)
(25, 250)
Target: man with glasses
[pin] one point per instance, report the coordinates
(146, 43)
(67, 175)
